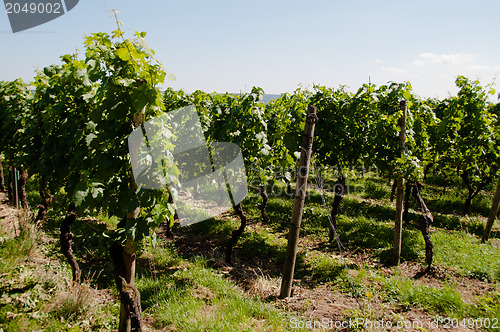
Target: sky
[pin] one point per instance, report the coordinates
(232, 45)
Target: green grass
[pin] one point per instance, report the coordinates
(407, 293)
(214, 227)
(35, 290)
(175, 292)
(188, 293)
(17, 249)
(373, 188)
(366, 226)
(467, 224)
(322, 267)
(263, 244)
(317, 266)
(443, 302)
(369, 234)
(194, 297)
(464, 253)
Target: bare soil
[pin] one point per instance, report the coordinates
(9, 218)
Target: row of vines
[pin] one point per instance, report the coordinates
(67, 131)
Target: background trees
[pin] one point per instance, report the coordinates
(465, 138)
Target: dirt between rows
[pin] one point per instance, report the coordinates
(9, 217)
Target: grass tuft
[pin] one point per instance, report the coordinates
(74, 302)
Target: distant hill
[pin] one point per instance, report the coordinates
(268, 97)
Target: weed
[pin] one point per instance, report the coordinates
(374, 189)
(321, 267)
(74, 302)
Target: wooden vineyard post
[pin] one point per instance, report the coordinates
(398, 225)
(298, 204)
(425, 221)
(493, 214)
(2, 183)
(16, 189)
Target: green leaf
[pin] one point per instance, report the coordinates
(123, 53)
(407, 95)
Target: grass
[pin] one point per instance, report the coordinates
(35, 290)
(468, 224)
(263, 244)
(185, 294)
(74, 302)
(362, 233)
(18, 248)
(443, 301)
(373, 188)
(191, 296)
(365, 226)
(465, 254)
(197, 298)
(320, 267)
(188, 290)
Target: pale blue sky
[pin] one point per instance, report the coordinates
(277, 45)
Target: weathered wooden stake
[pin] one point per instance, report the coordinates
(298, 204)
(398, 225)
(66, 239)
(493, 214)
(424, 224)
(2, 183)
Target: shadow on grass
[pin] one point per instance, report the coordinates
(314, 268)
(354, 208)
(364, 234)
(279, 212)
(91, 249)
(446, 205)
(453, 201)
(167, 283)
(471, 225)
(315, 216)
(263, 249)
(210, 227)
(374, 188)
